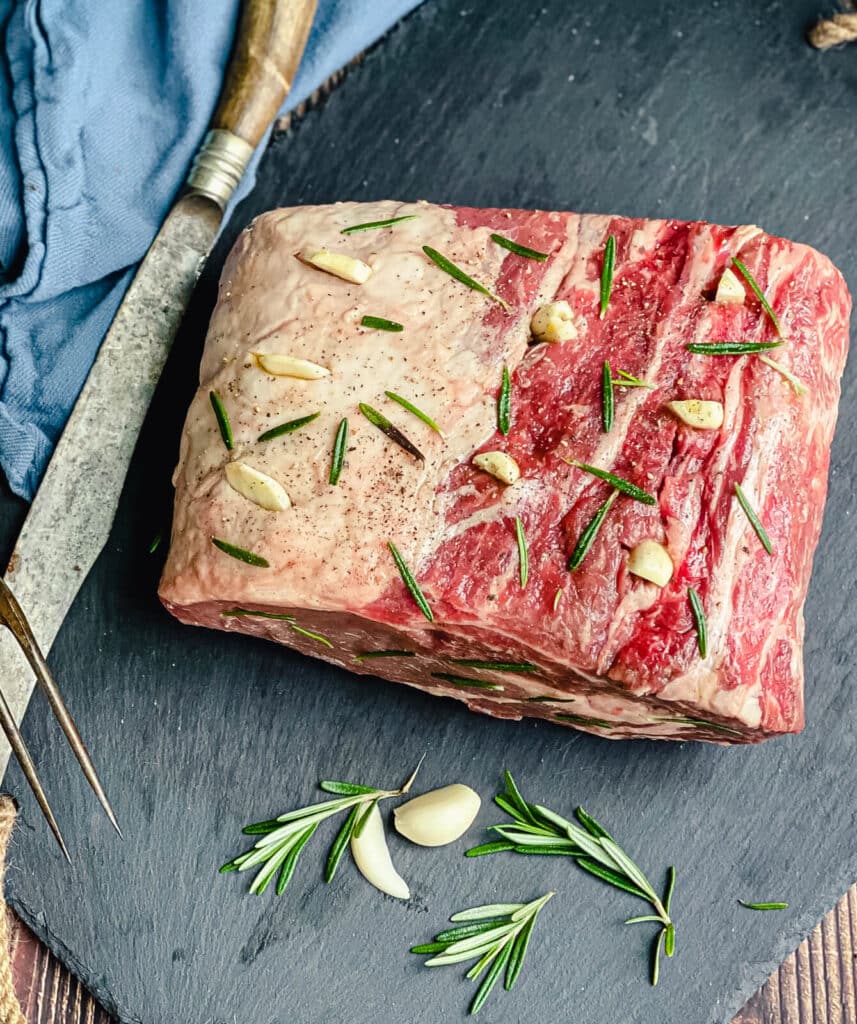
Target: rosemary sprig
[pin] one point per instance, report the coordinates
(504, 403)
(625, 486)
(755, 522)
(757, 291)
(372, 224)
(378, 323)
(519, 250)
(288, 428)
(606, 397)
(523, 552)
(240, 553)
(699, 620)
(405, 404)
(312, 636)
(410, 582)
(339, 446)
(584, 543)
(368, 655)
(628, 380)
(524, 667)
(607, 267)
(222, 417)
(478, 684)
(250, 614)
(535, 829)
(380, 421)
(764, 906)
(496, 936)
(730, 348)
(283, 838)
(450, 268)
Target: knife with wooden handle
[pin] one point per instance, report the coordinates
(71, 516)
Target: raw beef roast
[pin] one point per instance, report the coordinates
(664, 601)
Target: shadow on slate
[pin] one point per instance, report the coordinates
(686, 110)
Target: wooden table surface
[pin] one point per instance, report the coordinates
(816, 985)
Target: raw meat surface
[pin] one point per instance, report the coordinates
(596, 648)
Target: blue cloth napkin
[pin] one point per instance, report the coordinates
(102, 104)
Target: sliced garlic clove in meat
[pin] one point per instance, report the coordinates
(438, 817)
(651, 561)
(346, 267)
(499, 465)
(730, 289)
(372, 858)
(289, 366)
(554, 323)
(698, 413)
(257, 487)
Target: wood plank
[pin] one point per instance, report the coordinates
(817, 984)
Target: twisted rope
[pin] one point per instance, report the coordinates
(10, 1008)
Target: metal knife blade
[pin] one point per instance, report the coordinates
(70, 519)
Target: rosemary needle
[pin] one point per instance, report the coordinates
(757, 291)
(699, 620)
(606, 397)
(523, 552)
(755, 522)
(410, 582)
(222, 417)
(372, 224)
(584, 543)
(504, 403)
(240, 553)
(607, 267)
(519, 250)
(405, 404)
(625, 486)
(339, 445)
(764, 906)
(450, 268)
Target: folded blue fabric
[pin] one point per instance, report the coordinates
(102, 104)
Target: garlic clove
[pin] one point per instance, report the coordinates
(372, 858)
(730, 290)
(698, 413)
(346, 267)
(438, 817)
(499, 465)
(651, 561)
(288, 366)
(554, 323)
(257, 486)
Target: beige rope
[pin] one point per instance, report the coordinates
(10, 1008)
(833, 31)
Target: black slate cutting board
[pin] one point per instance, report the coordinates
(712, 110)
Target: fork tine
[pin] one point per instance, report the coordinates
(13, 616)
(19, 748)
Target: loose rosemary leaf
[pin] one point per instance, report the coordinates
(371, 225)
(523, 553)
(450, 268)
(625, 486)
(380, 421)
(288, 428)
(755, 522)
(519, 250)
(405, 404)
(222, 417)
(378, 323)
(757, 291)
(607, 268)
(240, 553)
(589, 534)
(339, 446)
(699, 620)
(504, 404)
(606, 397)
(410, 582)
(730, 348)
(764, 906)
(478, 684)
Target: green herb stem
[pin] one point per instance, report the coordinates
(607, 403)
(625, 486)
(699, 619)
(755, 522)
(504, 403)
(405, 404)
(466, 681)
(731, 348)
(373, 224)
(607, 268)
(523, 552)
(764, 906)
(524, 667)
(240, 553)
(222, 417)
(448, 267)
(340, 444)
(590, 533)
(380, 421)
(288, 428)
(409, 581)
(378, 323)
(757, 291)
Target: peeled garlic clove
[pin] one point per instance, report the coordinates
(554, 323)
(257, 486)
(340, 265)
(698, 413)
(499, 465)
(438, 817)
(730, 290)
(372, 858)
(651, 561)
(289, 366)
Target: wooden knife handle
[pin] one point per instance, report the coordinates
(268, 48)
